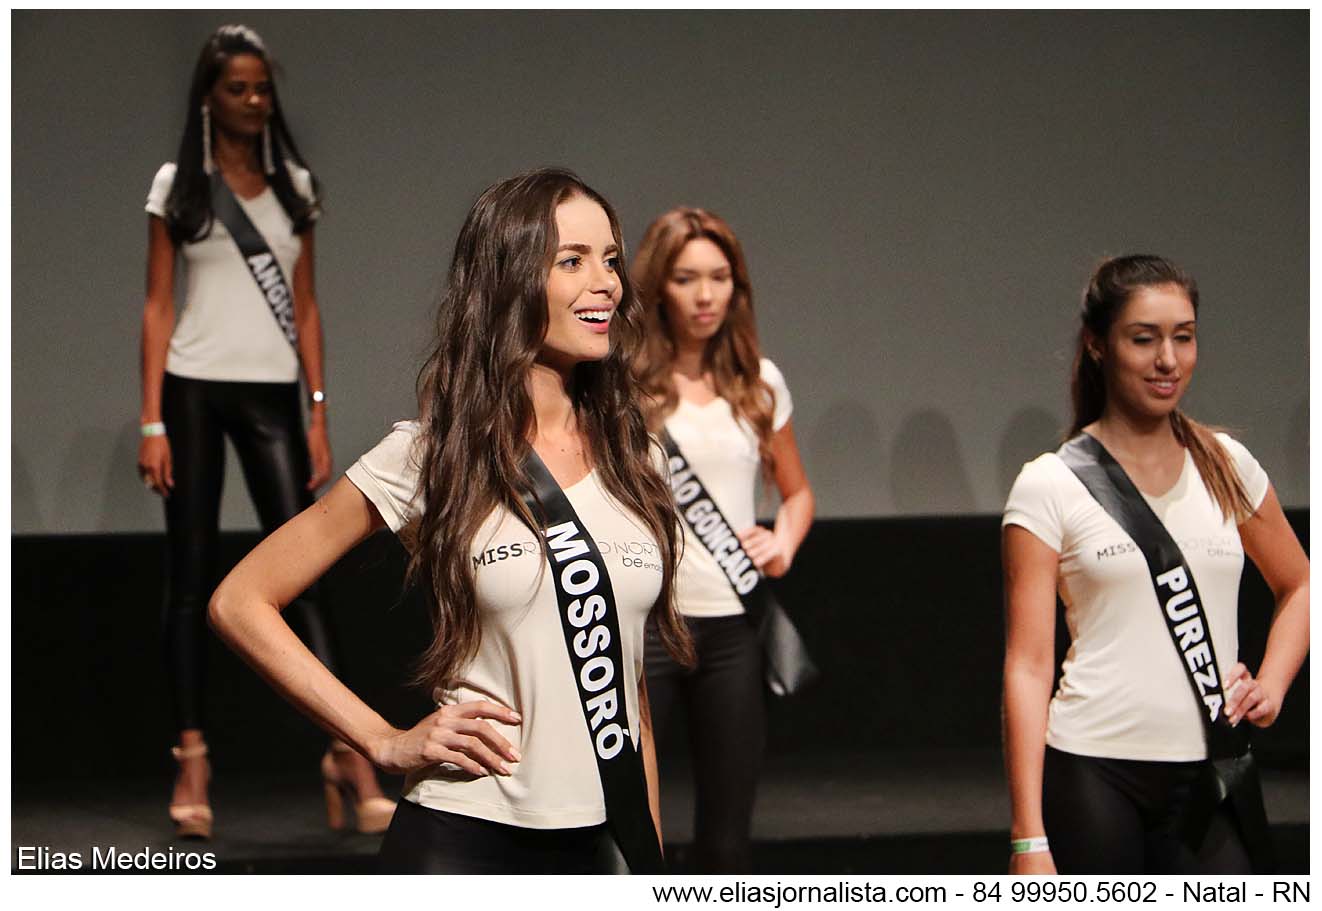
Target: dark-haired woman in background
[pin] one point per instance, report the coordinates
(229, 367)
(1106, 775)
(728, 411)
(529, 378)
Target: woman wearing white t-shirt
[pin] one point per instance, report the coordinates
(728, 411)
(1102, 773)
(227, 367)
(531, 360)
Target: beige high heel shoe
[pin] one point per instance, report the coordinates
(191, 820)
(371, 815)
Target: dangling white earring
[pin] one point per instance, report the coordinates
(208, 166)
(268, 160)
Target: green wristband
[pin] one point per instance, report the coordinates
(1029, 845)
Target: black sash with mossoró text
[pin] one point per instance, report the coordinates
(1230, 772)
(257, 256)
(788, 668)
(591, 626)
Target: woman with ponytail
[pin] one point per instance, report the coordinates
(527, 400)
(236, 209)
(1110, 774)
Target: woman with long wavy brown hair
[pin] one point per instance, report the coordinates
(726, 410)
(528, 377)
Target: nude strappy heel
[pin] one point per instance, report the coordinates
(191, 820)
(371, 815)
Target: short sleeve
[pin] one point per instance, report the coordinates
(387, 475)
(784, 405)
(160, 189)
(1034, 503)
(301, 178)
(1251, 474)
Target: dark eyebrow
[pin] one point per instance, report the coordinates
(1188, 322)
(585, 249)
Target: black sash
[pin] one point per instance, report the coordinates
(592, 638)
(1231, 772)
(257, 255)
(788, 668)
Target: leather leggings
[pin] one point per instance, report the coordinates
(264, 422)
(727, 719)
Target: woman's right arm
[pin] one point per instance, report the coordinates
(1029, 569)
(245, 612)
(154, 461)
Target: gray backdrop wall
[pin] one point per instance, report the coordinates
(921, 196)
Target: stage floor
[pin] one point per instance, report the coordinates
(931, 811)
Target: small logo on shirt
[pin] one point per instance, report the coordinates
(633, 554)
(1212, 545)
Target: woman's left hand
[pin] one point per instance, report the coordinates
(767, 551)
(319, 454)
(1249, 698)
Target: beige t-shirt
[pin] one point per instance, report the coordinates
(226, 330)
(723, 453)
(522, 662)
(1124, 693)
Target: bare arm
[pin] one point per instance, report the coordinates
(311, 353)
(1029, 569)
(648, 744)
(245, 612)
(154, 461)
(1272, 546)
(774, 551)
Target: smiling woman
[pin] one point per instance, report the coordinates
(539, 755)
(1121, 771)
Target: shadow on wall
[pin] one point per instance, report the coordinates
(928, 474)
(846, 437)
(24, 513)
(100, 459)
(1296, 455)
(1031, 432)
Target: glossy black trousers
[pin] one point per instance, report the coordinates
(1122, 816)
(264, 422)
(423, 840)
(725, 699)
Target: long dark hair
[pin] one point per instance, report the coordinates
(1113, 283)
(732, 354)
(188, 210)
(476, 413)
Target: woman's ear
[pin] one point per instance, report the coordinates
(1094, 347)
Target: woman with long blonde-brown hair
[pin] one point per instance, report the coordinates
(541, 738)
(726, 411)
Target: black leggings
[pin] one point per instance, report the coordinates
(726, 703)
(1121, 816)
(265, 424)
(423, 840)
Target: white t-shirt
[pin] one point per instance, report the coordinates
(1124, 693)
(723, 454)
(226, 330)
(522, 662)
